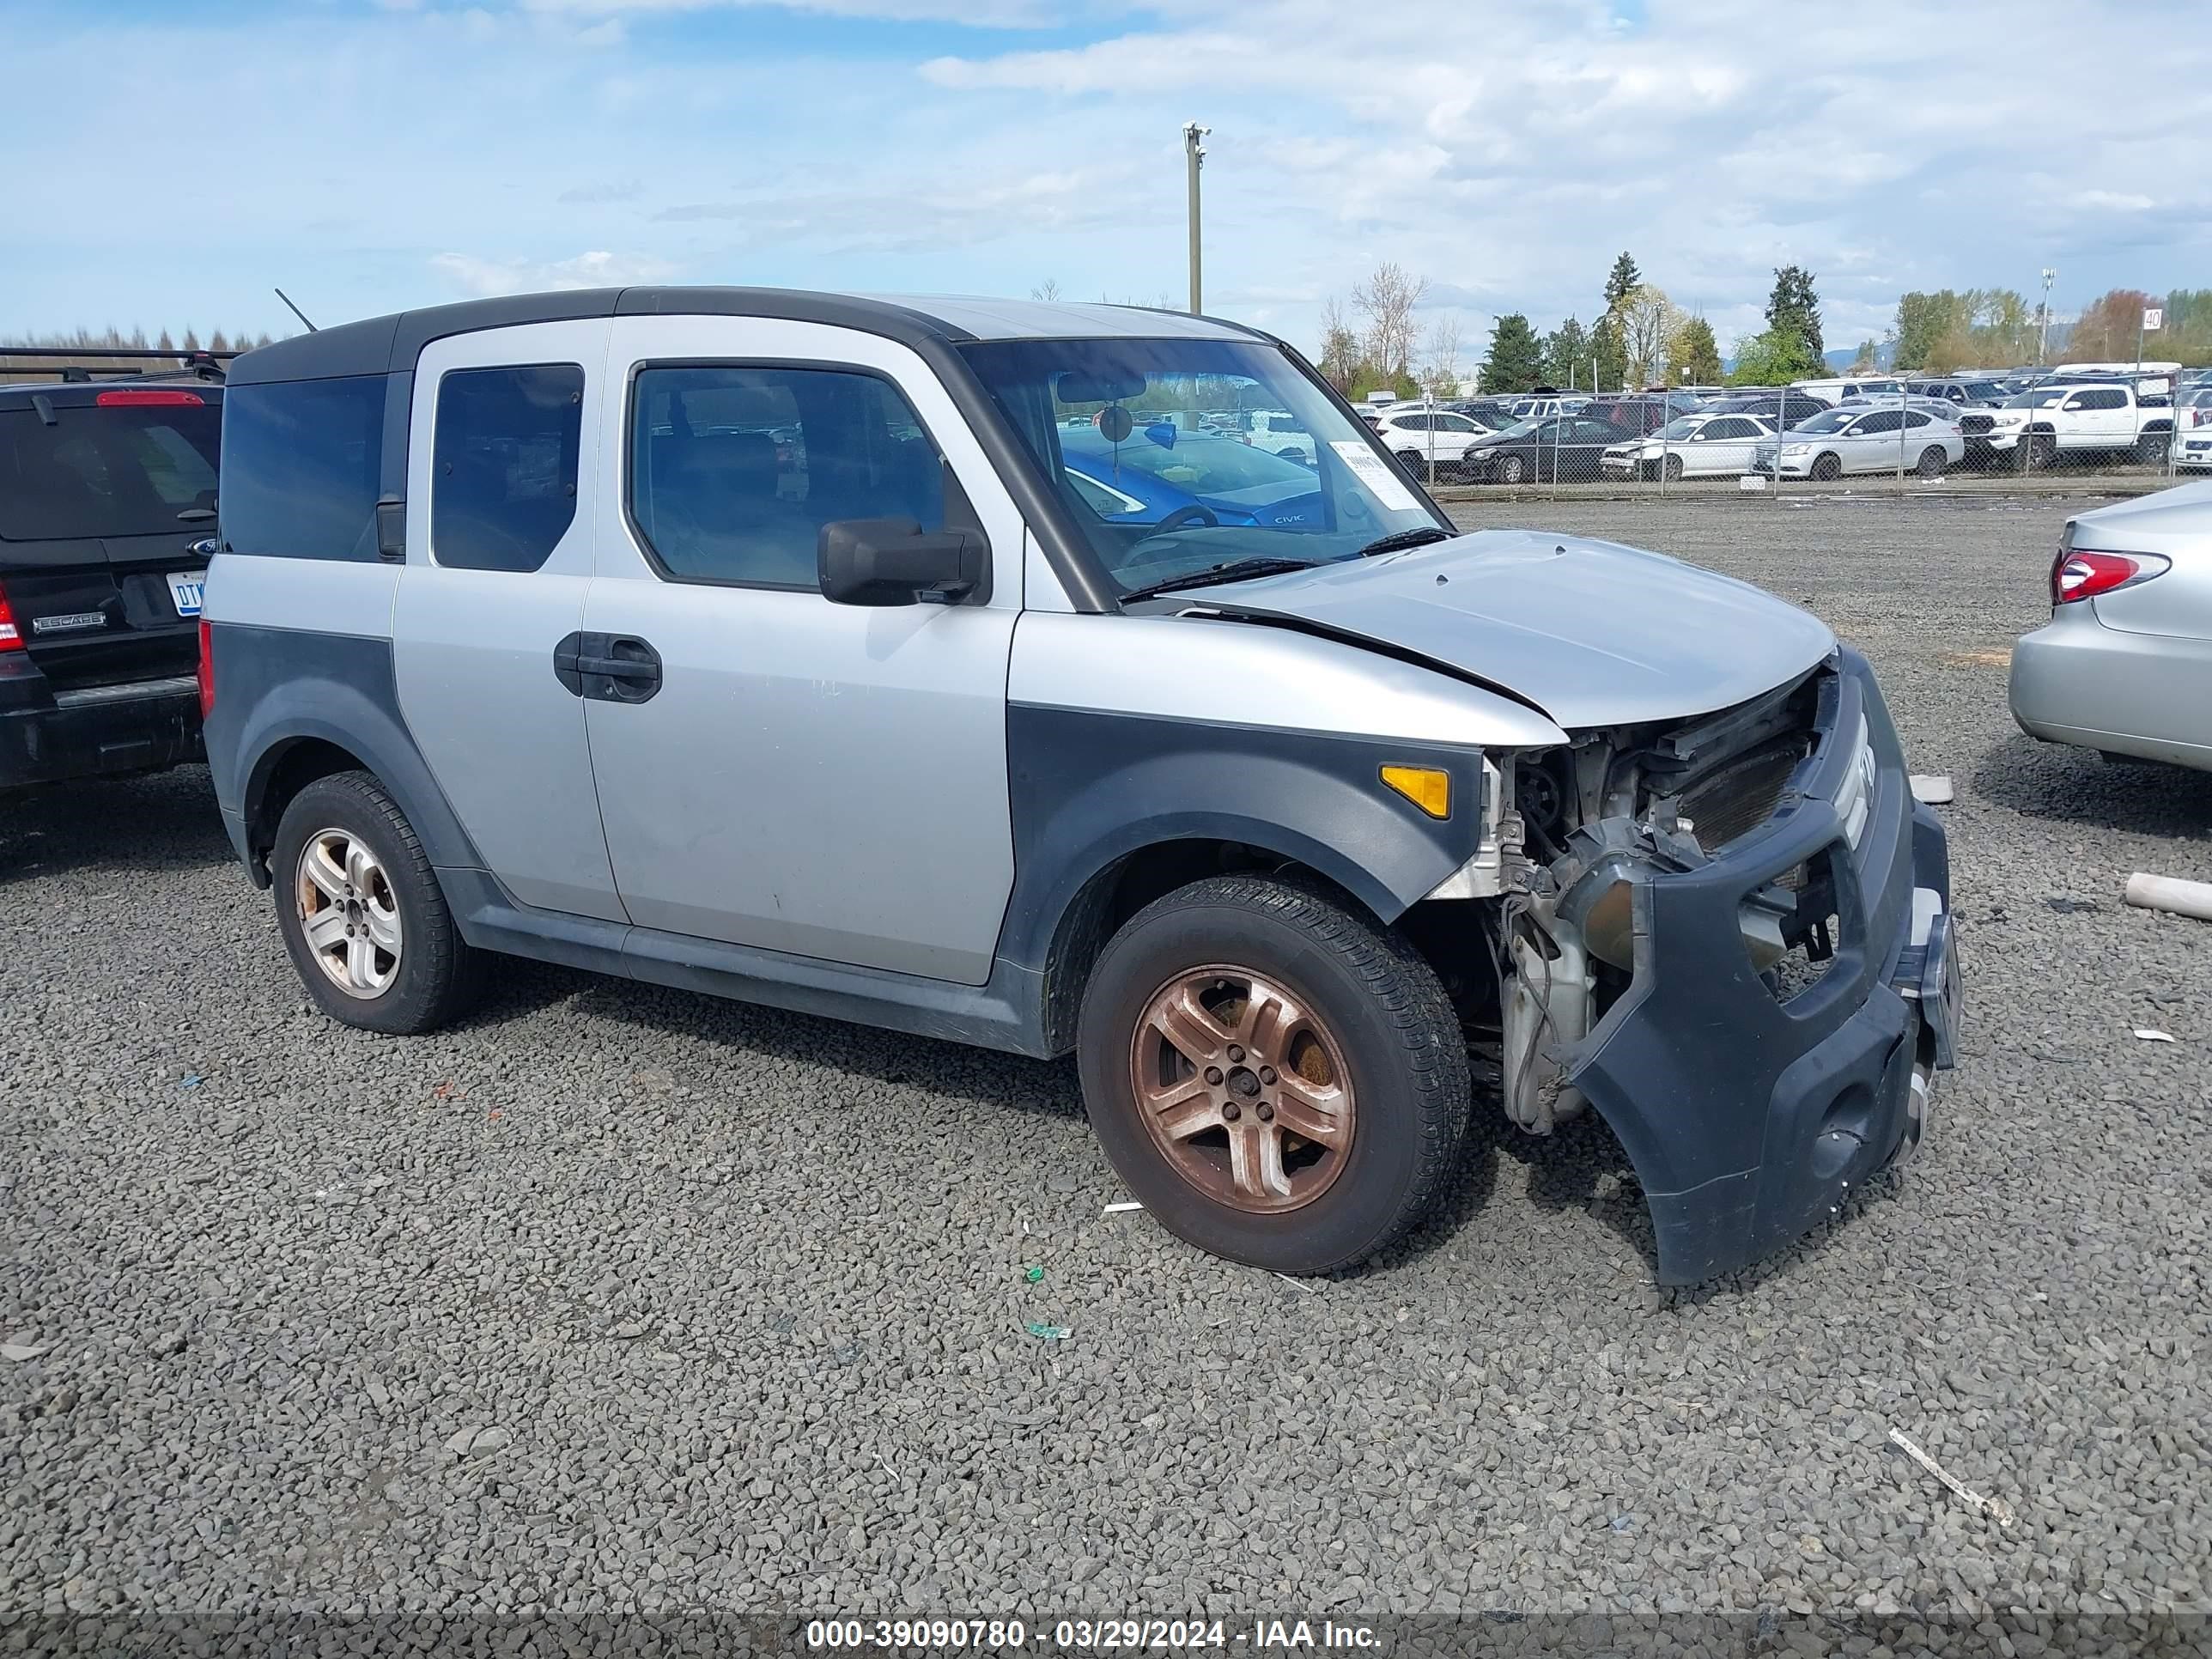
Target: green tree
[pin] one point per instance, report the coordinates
(1694, 356)
(1624, 281)
(1866, 359)
(1567, 355)
(1922, 321)
(1516, 363)
(1610, 353)
(1793, 308)
(1774, 358)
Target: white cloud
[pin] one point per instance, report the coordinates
(479, 277)
(374, 160)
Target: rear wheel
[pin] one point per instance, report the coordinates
(1829, 467)
(2150, 448)
(1931, 462)
(363, 916)
(1279, 1081)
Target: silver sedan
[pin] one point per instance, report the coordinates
(2125, 665)
(1916, 435)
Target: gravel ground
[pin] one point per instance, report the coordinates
(621, 1298)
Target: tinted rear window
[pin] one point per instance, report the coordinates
(126, 471)
(503, 466)
(300, 463)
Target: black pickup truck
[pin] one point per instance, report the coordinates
(107, 498)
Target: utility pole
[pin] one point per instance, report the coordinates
(1194, 155)
(2043, 334)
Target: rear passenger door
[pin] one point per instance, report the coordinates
(776, 771)
(499, 522)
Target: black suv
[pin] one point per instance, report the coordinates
(107, 498)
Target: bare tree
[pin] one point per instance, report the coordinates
(1385, 302)
(1648, 320)
(1440, 357)
(1047, 289)
(1339, 346)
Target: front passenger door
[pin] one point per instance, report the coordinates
(818, 779)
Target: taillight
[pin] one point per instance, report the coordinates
(207, 670)
(11, 637)
(167, 397)
(2078, 575)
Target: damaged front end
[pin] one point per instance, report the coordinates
(1732, 936)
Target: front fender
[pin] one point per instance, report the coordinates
(1090, 788)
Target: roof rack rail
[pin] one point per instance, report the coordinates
(78, 364)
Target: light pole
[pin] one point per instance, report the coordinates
(2042, 333)
(1194, 155)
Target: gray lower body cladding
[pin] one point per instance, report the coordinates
(1751, 1119)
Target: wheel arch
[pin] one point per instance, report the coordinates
(1109, 813)
(317, 727)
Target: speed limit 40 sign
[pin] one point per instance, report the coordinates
(2153, 318)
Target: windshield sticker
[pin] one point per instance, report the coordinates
(1375, 472)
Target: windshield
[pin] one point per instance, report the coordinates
(112, 471)
(1114, 424)
(1679, 427)
(1828, 420)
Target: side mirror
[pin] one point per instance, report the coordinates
(884, 562)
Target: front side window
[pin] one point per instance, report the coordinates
(301, 462)
(733, 471)
(1125, 417)
(503, 466)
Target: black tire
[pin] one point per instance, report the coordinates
(1511, 469)
(2151, 449)
(1931, 462)
(2042, 452)
(1414, 462)
(1673, 467)
(1382, 1005)
(1828, 468)
(437, 974)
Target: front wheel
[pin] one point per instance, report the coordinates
(1281, 1082)
(1511, 470)
(1828, 468)
(363, 916)
(1673, 464)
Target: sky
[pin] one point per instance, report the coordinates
(166, 162)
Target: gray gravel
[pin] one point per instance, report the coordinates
(619, 1297)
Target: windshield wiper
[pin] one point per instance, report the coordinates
(1398, 540)
(1236, 570)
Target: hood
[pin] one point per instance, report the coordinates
(1593, 633)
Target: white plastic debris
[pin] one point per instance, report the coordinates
(2183, 898)
(2148, 1035)
(1119, 1205)
(20, 1352)
(1931, 791)
(1996, 1508)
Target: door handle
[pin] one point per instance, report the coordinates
(609, 667)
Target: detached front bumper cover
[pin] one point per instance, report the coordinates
(1750, 1118)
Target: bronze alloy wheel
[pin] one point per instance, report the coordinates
(1242, 1089)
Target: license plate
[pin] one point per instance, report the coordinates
(189, 589)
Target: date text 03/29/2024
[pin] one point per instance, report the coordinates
(1094, 1635)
